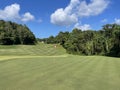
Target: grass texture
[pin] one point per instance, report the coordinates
(43, 67)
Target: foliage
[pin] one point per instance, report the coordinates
(12, 33)
(90, 42)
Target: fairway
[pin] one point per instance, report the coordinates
(34, 50)
(49, 69)
(59, 45)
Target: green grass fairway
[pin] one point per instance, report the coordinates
(39, 49)
(43, 67)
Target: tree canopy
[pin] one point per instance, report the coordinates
(13, 33)
(90, 42)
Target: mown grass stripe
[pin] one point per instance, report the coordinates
(43, 67)
(39, 49)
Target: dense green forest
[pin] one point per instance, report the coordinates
(13, 33)
(90, 42)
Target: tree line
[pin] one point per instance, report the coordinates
(90, 42)
(12, 33)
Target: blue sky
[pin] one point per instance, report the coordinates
(46, 18)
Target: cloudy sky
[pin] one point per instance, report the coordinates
(48, 17)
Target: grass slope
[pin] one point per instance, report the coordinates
(56, 71)
(39, 49)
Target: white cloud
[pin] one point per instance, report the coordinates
(60, 17)
(82, 27)
(117, 21)
(11, 12)
(95, 7)
(78, 9)
(27, 17)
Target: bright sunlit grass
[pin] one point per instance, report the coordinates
(51, 68)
